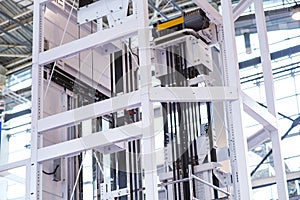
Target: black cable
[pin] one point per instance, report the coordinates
(51, 173)
(295, 123)
(279, 113)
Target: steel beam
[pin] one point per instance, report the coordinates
(267, 181)
(193, 94)
(240, 8)
(20, 67)
(148, 140)
(91, 141)
(236, 139)
(94, 40)
(16, 17)
(12, 45)
(94, 110)
(42, 2)
(15, 21)
(15, 38)
(176, 6)
(151, 5)
(259, 113)
(270, 97)
(12, 177)
(210, 11)
(14, 165)
(14, 55)
(35, 185)
(15, 27)
(257, 138)
(275, 55)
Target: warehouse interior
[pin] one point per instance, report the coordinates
(149, 100)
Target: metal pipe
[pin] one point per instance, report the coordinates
(176, 6)
(12, 45)
(191, 183)
(177, 181)
(270, 97)
(18, 62)
(157, 10)
(28, 64)
(16, 17)
(14, 55)
(211, 185)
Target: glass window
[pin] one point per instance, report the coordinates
(13, 184)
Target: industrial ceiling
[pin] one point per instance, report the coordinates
(16, 25)
(15, 32)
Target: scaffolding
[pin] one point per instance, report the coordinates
(230, 93)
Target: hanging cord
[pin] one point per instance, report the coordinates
(62, 39)
(98, 163)
(134, 56)
(51, 173)
(294, 124)
(77, 178)
(279, 113)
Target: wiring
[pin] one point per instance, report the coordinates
(62, 39)
(77, 178)
(279, 113)
(51, 173)
(98, 163)
(132, 54)
(294, 124)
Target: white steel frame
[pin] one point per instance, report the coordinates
(231, 94)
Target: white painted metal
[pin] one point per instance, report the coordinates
(148, 152)
(115, 10)
(197, 52)
(211, 12)
(270, 97)
(261, 182)
(191, 182)
(145, 129)
(259, 113)
(71, 117)
(257, 138)
(240, 8)
(193, 94)
(87, 164)
(13, 165)
(236, 139)
(43, 1)
(27, 181)
(97, 39)
(8, 55)
(35, 168)
(96, 140)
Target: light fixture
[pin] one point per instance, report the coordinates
(296, 12)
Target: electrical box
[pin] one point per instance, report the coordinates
(196, 53)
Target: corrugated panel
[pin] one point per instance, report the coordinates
(13, 33)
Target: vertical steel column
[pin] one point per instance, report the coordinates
(236, 139)
(35, 168)
(87, 167)
(191, 182)
(148, 152)
(27, 182)
(280, 174)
